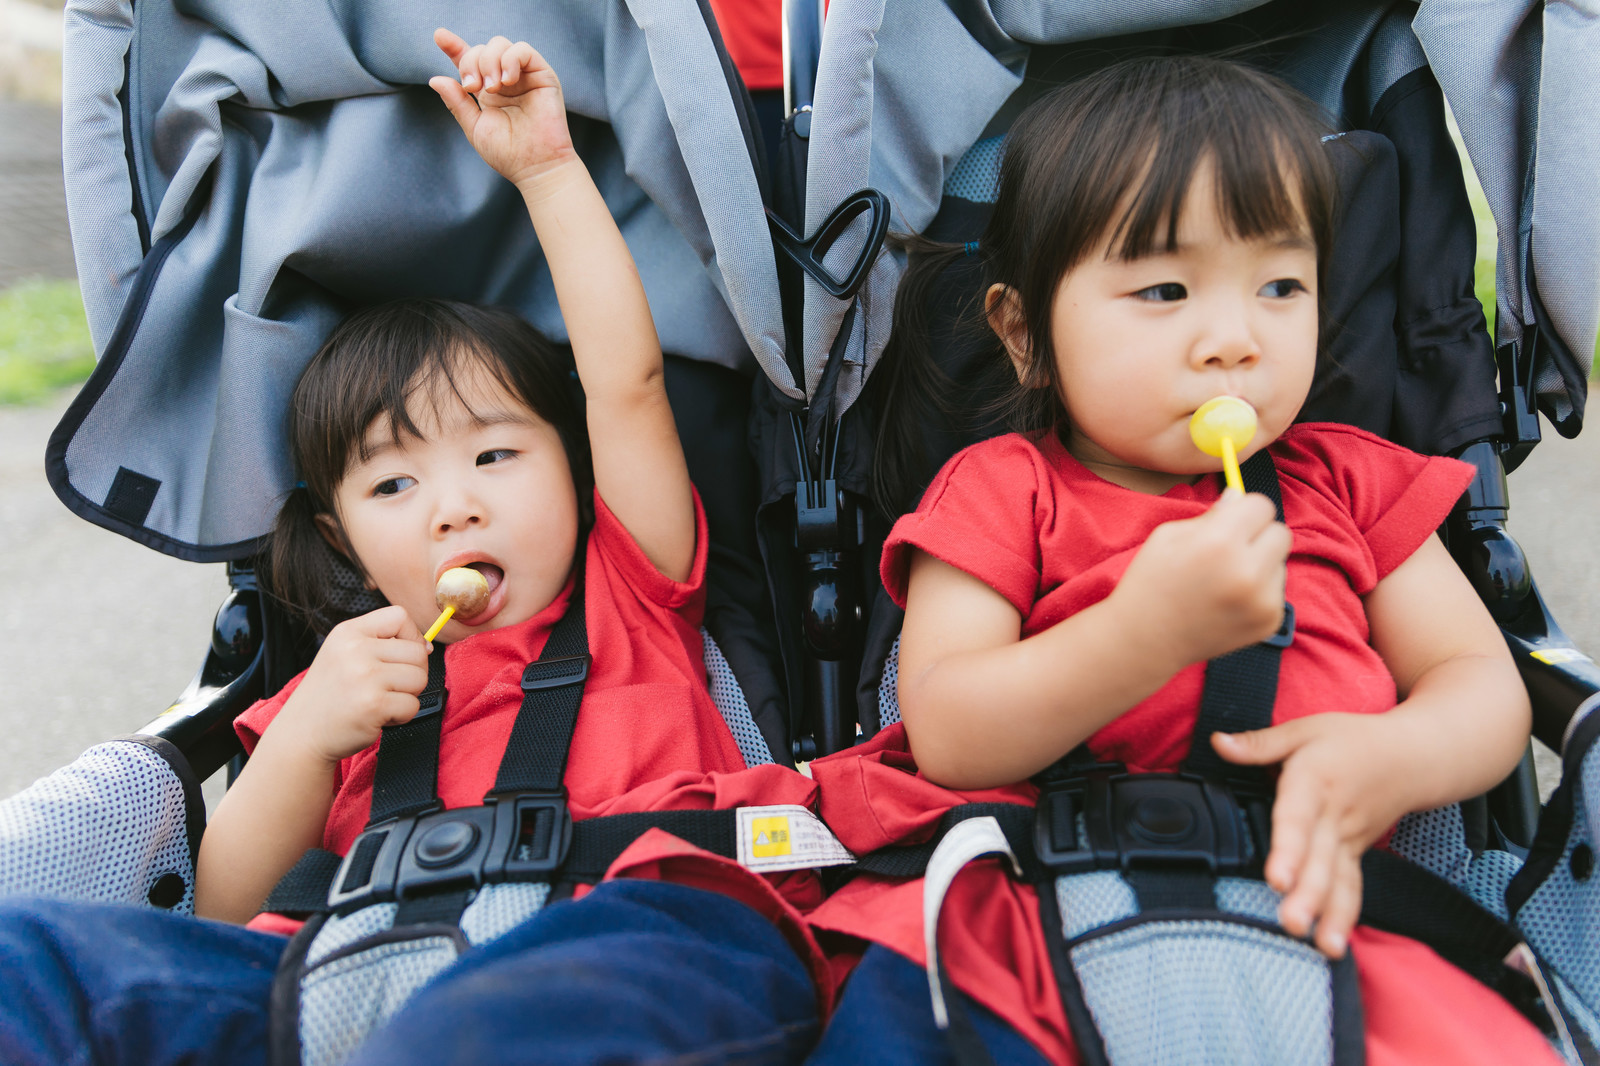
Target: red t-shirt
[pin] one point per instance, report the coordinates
(1030, 521)
(648, 737)
(752, 31)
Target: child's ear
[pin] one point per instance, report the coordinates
(1003, 307)
(331, 532)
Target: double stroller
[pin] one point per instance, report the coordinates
(240, 178)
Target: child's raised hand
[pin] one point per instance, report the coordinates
(518, 119)
(1338, 792)
(1202, 587)
(367, 675)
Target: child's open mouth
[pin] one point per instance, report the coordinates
(493, 576)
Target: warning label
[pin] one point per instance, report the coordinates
(787, 837)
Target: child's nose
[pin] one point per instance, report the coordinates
(457, 511)
(1228, 341)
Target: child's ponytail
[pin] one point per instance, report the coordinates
(316, 584)
(909, 392)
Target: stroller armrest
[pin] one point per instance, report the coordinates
(200, 722)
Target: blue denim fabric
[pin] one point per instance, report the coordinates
(100, 983)
(635, 972)
(885, 1018)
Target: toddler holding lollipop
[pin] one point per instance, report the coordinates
(1157, 243)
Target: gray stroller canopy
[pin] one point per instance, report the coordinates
(240, 176)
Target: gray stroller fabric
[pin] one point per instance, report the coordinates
(281, 165)
(1522, 80)
(119, 825)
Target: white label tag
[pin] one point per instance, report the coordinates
(787, 836)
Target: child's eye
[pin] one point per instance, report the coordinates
(494, 455)
(390, 486)
(1167, 292)
(1281, 288)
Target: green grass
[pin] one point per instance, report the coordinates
(44, 340)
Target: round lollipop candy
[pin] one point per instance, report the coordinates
(459, 589)
(1221, 427)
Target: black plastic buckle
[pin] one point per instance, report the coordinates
(555, 673)
(431, 704)
(1149, 820)
(1285, 634)
(532, 836)
(523, 836)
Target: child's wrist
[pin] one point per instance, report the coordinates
(546, 180)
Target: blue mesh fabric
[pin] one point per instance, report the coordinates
(977, 176)
(888, 688)
(1560, 917)
(1203, 992)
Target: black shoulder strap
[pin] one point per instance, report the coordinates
(552, 690)
(405, 780)
(1242, 686)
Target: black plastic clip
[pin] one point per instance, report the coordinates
(555, 673)
(1285, 634)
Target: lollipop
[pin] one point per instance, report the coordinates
(460, 589)
(1222, 426)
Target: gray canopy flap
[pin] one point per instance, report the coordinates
(240, 176)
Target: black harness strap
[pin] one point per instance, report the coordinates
(405, 780)
(552, 690)
(1242, 686)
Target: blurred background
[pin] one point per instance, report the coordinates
(98, 635)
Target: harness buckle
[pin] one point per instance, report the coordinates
(522, 836)
(532, 835)
(1149, 820)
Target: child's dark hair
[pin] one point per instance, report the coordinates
(1146, 125)
(372, 366)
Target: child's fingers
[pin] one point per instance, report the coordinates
(461, 105)
(467, 65)
(450, 44)
(404, 678)
(1295, 814)
(489, 63)
(398, 708)
(1342, 909)
(518, 58)
(1307, 900)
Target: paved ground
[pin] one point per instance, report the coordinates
(33, 205)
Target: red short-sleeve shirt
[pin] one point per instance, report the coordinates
(1027, 519)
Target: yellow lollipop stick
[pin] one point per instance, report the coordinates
(444, 617)
(1221, 426)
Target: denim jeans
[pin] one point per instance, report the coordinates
(885, 1018)
(635, 972)
(104, 983)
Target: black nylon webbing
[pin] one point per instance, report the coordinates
(536, 755)
(405, 780)
(304, 889)
(1242, 686)
(596, 842)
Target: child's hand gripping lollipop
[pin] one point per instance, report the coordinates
(1221, 427)
(459, 589)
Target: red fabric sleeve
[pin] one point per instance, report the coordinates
(1396, 497)
(624, 556)
(254, 721)
(980, 515)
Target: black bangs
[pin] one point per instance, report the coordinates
(1280, 187)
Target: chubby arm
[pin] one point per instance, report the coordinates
(1459, 729)
(517, 122)
(367, 675)
(983, 707)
